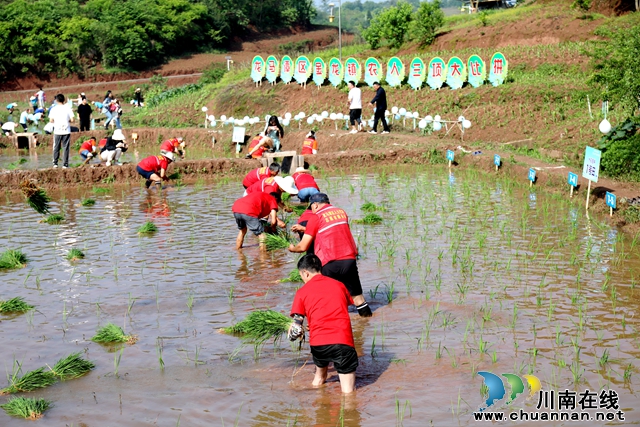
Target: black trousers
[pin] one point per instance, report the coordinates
(85, 125)
(379, 115)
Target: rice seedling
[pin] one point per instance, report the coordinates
(294, 277)
(36, 197)
(147, 228)
(369, 219)
(627, 372)
(111, 333)
(75, 254)
(54, 219)
(32, 380)
(371, 207)
(88, 202)
(604, 359)
(26, 407)
(101, 190)
(273, 242)
(12, 258)
(15, 305)
(298, 209)
(72, 366)
(260, 326)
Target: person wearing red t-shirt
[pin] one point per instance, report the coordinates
(260, 174)
(310, 145)
(258, 145)
(250, 209)
(301, 225)
(276, 184)
(174, 145)
(154, 168)
(334, 245)
(88, 149)
(305, 183)
(325, 303)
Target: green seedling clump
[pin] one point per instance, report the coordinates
(260, 326)
(111, 333)
(75, 254)
(276, 241)
(147, 228)
(294, 276)
(26, 407)
(298, 209)
(175, 176)
(72, 366)
(12, 259)
(285, 197)
(54, 219)
(88, 202)
(371, 207)
(101, 190)
(369, 219)
(30, 381)
(36, 197)
(15, 305)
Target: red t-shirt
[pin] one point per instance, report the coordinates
(154, 164)
(87, 145)
(324, 302)
(170, 145)
(267, 185)
(305, 216)
(332, 238)
(102, 142)
(304, 180)
(255, 176)
(257, 205)
(258, 153)
(308, 146)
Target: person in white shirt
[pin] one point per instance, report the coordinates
(61, 116)
(24, 118)
(9, 128)
(40, 96)
(355, 106)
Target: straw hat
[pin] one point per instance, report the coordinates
(286, 184)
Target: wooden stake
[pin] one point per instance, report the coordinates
(496, 168)
(588, 195)
(610, 211)
(449, 164)
(571, 194)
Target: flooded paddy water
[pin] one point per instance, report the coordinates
(468, 272)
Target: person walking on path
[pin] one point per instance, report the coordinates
(84, 115)
(305, 183)
(325, 303)
(334, 245)
(355, 106)
(259, 174)
(250, 209)
(154, 169)
(61, 116)
(380, 101)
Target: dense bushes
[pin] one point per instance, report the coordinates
(45, 36)
(621, 159)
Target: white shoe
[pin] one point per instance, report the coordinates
(119, 163)
(372, 131)
(384, 132)
(354, 131)
(55, 166)
(108, 163)
(65, 167)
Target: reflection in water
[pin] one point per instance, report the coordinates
(335, 409)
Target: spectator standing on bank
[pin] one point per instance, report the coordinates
(84, 115)
(106, 109)
(355, 106)
(380, 101)
(41, 97)
(138, 100)
(61, 116)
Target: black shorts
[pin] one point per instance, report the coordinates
(344, 357)
(345, 271)
(355, 115)
(252, 223)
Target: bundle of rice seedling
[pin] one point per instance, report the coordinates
(260, 326)
(280, 240)
(88, 202)
(147, 228)
(38, 378)
(369, 219)
(371, 207)
(111, 333)
(294, 276)
(175, 176)
(26, 407)
(72, 366)
(285, 196)
(54, 219)
(36, 197)
(15, 305)
(12, 259)
(101, 190)
(298, 209)
(75, 254)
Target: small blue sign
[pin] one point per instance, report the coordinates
(572, 179)
(496, 160)
(450, 155)
(532, 175)
(611, 200)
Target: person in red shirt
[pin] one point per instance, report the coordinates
(250, 209)
(154, 168)
(174, 145)
(276, 184)
(310, 145)
(258, 145)
(334, 245)
(88, 149)
(259, 174)
(325, 303)
(305, 183)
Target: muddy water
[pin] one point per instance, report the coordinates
(455, 255)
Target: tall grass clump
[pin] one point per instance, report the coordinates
(369, 219)
(26, 407)
(12, 259)
(294, 276)
(33, 380)
(111, 333)
(72, 366)
(54, 219)
(147, 228)
(15, 305)
(75, 254)
(260, 326)
(36, 197)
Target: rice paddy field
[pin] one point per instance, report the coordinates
(466, 272)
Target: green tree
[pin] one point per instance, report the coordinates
(428, 19)
(391, 25)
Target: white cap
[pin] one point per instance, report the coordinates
(300, 169)
(169, 156)
(286, 184)
(118, 135)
